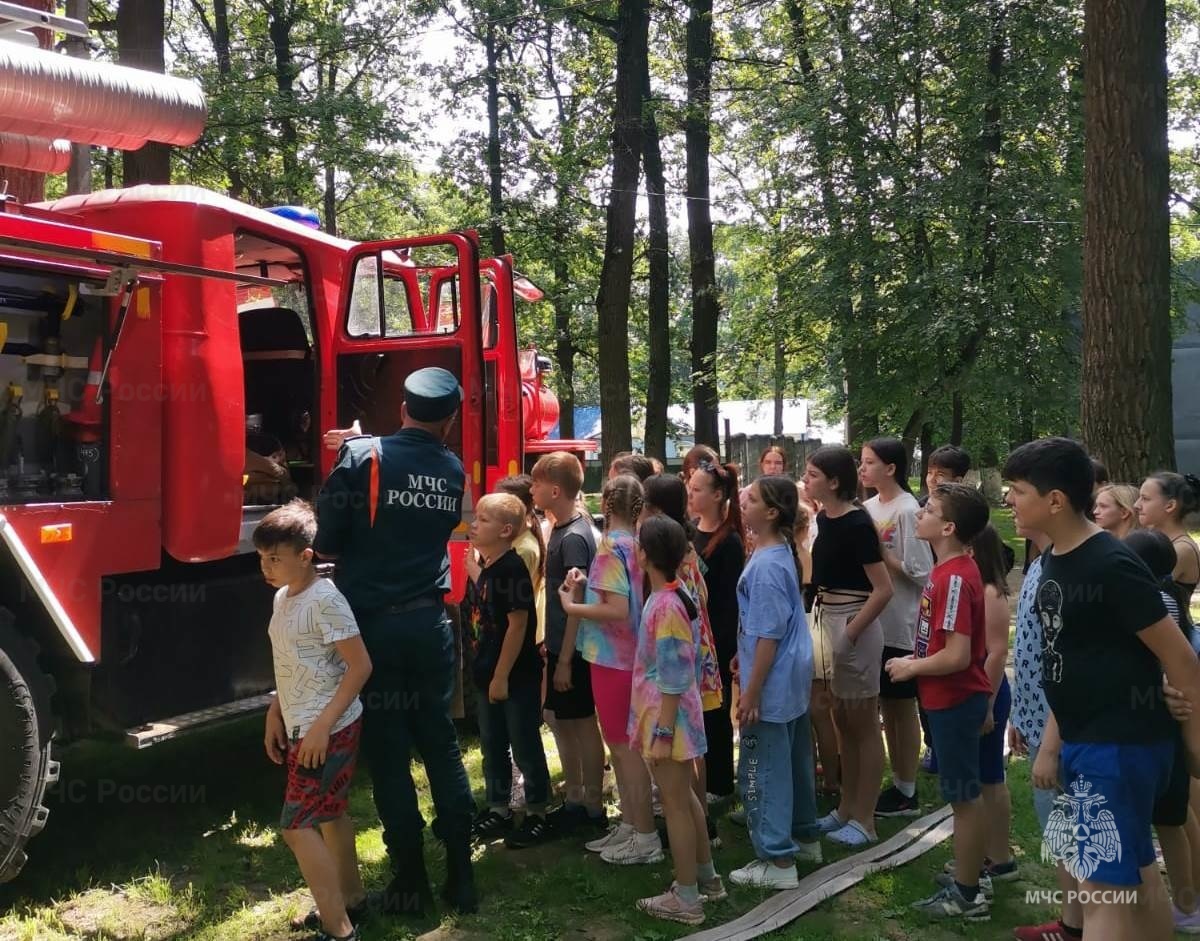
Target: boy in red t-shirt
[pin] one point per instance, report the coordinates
(951, 646)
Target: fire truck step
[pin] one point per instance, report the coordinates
(143, 736)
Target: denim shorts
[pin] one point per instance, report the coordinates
(956, 738)
(1100, 827)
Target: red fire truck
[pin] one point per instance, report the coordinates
(153, 338)
(169, 359)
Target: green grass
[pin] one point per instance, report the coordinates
(200, 859)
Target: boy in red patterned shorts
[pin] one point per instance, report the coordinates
(314, 721)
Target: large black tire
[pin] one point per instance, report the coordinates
(26, 730)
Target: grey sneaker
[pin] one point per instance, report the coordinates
(948, 903)
(713, 890)
(985, 883)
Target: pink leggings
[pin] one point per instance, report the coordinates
(612, 689)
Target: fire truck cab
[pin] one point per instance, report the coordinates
(170, 360)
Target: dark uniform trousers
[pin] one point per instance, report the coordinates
(406, 707)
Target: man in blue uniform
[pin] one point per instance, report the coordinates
(385, 513)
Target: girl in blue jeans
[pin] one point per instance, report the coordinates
(776, 776)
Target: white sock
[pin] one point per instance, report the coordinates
(907, 788)
(647, 840)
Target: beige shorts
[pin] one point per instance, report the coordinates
(850, 669)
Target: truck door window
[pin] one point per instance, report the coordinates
(398, 294)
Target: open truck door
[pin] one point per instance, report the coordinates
(385, 330)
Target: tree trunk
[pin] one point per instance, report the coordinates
(25, 185)
(495, 167)
(141, 31)
(706, 309)
(612, 299)
(237, 183)
(79, 175)
(858, 422)
(658, 384)
(327, 73)
(926, 450)
(780, 370)
(282, 16)
(1126, 387)
(956, 419)
(564, 342)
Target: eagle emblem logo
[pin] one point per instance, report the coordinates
(1080, 834)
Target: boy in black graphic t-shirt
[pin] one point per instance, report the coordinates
(1107, 640)
(508, 674)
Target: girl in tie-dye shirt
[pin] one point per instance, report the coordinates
(667, 721)
(607, 640)
(667, 494)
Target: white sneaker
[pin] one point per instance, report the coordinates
(810, 853)
(616, 835)
(634, 852)
(765, 875)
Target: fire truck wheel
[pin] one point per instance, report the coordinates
(26, 728)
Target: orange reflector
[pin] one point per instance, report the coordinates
(59, 532)
(119, 243)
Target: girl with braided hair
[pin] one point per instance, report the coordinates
(776, 777)
(609, 616)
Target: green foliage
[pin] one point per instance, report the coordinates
(897, 186)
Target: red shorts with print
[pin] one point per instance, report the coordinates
(319, 795)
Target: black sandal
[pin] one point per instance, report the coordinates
(312, 921)
(326, 936)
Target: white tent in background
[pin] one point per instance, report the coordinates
(746, 416)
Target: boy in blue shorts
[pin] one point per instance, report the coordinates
(954, 689)
(1107, 638)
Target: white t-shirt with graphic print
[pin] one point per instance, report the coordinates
(308, 668)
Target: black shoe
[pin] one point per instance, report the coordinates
(408, 894)
(326, 936)
(533, 831)
(489, 824)
(312, 921)
(567, 818)
(459, 889)
(893, 803)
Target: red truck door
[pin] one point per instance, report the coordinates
(385, 330)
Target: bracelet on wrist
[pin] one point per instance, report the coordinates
(662, 731)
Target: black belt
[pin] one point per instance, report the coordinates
(414, 604)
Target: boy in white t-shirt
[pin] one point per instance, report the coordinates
(314, 721)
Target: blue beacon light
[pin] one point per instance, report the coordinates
(301, 214)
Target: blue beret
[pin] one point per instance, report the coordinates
(432, 394)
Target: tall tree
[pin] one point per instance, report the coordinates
(616, 275)
(79, 175)
(1126, 394)
(706, 308)
(141, 32)
(658, 353)
(495, 166)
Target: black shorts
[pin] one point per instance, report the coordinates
(1171, 808)
(577, 702)
(892, 690)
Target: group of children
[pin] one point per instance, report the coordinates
(632, 640)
